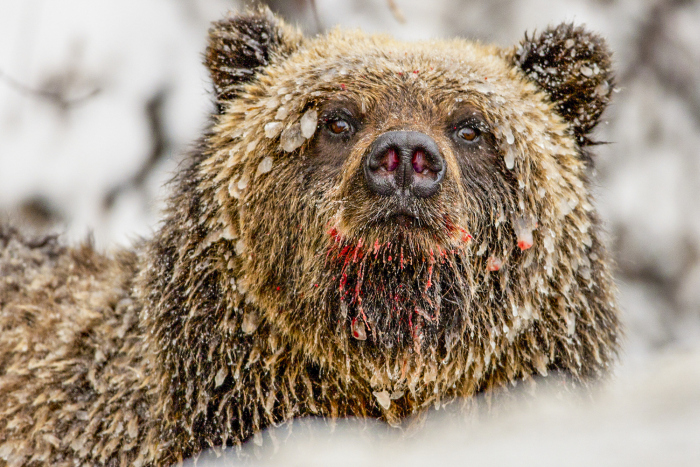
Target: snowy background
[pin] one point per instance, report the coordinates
(99, 99)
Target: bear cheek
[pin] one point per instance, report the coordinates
(271, 216)
(484, 182)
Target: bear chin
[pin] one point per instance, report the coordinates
(401, 294)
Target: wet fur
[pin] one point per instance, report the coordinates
(238, 314)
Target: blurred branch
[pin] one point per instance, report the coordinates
(159, 149)
(317, 18)
(300, 9)
(659, 54)
(55, 97)
(396, 11)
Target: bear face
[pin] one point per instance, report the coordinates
(355, 238)
(367, 255)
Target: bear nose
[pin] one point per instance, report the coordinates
(404, 162)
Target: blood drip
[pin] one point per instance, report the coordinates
(523, 230)
(493, 264)
(358, 330)
(466, 237)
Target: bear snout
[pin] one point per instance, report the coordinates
(404, 164)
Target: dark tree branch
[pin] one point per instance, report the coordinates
(159, 149)
(652, 53)
(56, 97)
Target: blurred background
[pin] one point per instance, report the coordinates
(99, 99)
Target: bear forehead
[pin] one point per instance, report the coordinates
(358, 66)
(381, 54)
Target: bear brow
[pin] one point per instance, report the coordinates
(342, 106)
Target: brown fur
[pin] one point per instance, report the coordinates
(238, 314)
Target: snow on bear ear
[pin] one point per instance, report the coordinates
(241, 45)
(573, 66)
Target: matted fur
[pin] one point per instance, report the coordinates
(240, 312)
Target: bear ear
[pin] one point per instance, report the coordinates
(573, 66)
(241, 45)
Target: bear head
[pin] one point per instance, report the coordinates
(416, 216)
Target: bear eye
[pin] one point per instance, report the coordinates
(468, 133)
(338, 126)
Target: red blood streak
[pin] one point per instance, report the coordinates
(343, 251)
(449, 225)
(376, 247)
(358, 251)
(358, 287)
(389, 258)
(431, 262)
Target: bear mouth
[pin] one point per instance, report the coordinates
(399, 229)
(403, 219)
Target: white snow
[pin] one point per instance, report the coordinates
(107, 60)
(273, 129)
(308, 123)
(647, 418)
(292, 138)
(383, 398)
(243, 182)
(265, 166)
(509, 158)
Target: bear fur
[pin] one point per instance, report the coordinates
(279, 286)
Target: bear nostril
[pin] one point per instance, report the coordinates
(420, 165)
(418, 161)
(390, 161)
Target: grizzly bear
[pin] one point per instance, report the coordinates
(368, 228)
